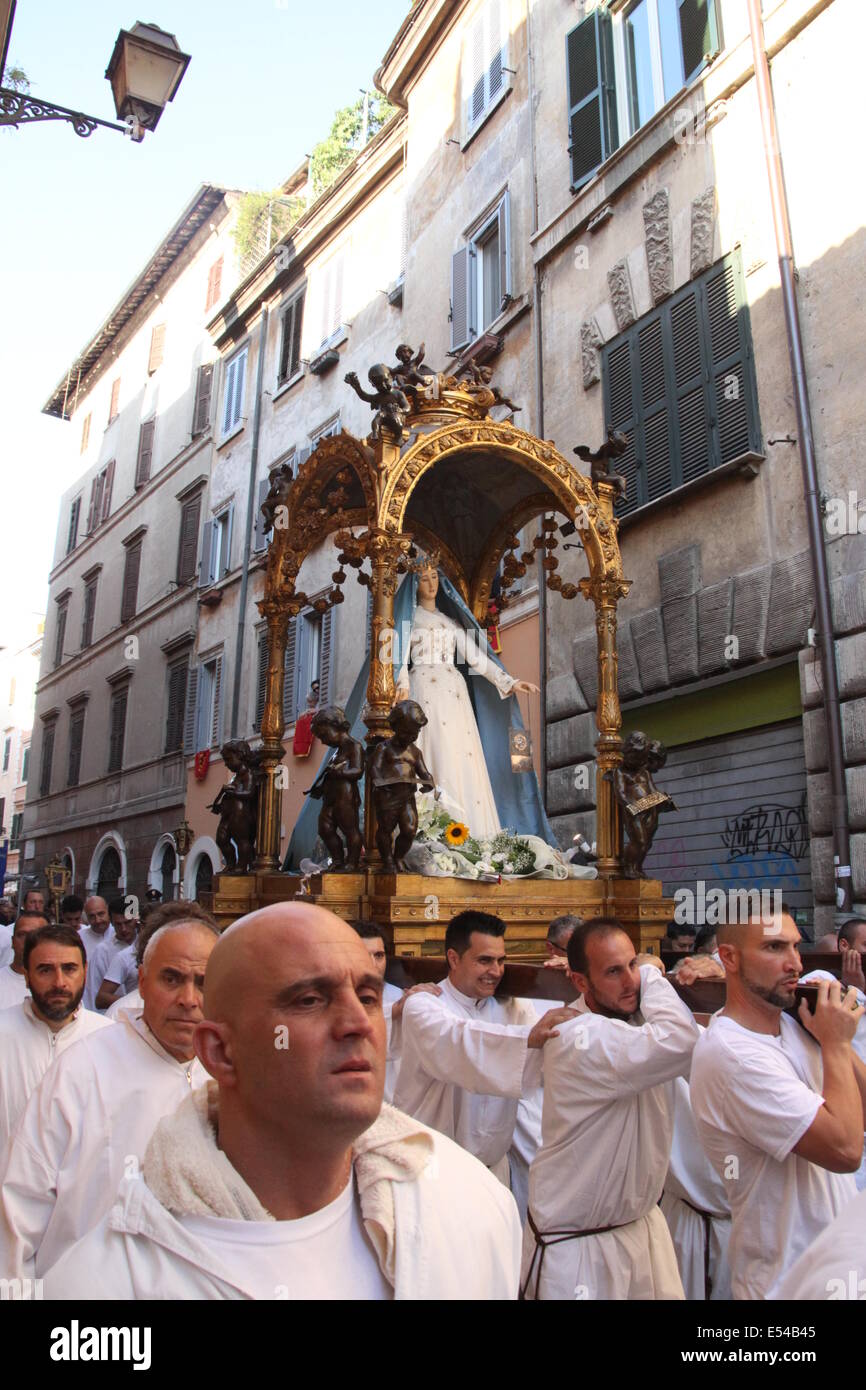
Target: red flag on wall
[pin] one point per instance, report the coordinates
(201, 765)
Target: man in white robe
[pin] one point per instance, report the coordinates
(123, 933)
(120, 978)
(780, 1114)
(285, 1177)
(833, 1267)
(594, 1229)
(98, 928)
(697, 1208)
(468, 1057)
(36, 1032)
(393, 999)
(13, 978)
(87, 1124)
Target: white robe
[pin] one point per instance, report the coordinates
(450, 742)
(13, 988)
(607, 1124)
(127, 1003)
(527, 1127)
(858, 1042)
(455, 1228)
(6, 952)
(833, 1267)
(390, 995)
(102, 958)
(692, 1186)
(84, 1128)
(28, 1047)
(464, 1066)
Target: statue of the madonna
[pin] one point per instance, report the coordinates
(450, 741)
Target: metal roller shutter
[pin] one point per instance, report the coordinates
(741, 820)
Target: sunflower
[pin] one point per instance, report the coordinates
(456, 834)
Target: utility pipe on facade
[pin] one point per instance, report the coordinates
(250, 524)
(784, 247)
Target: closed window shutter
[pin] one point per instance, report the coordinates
(72, 536)
(227, 548)
(117, 730)
(240, 371)
(177, 679)
(106, 491)
(504, 229)
(690, 387)
(115, 398)
(214, 283)
(592, 123)
(187, 552)
(733, 401)
(191, 716)
(157, 349)
(89, 612)
(60, 638)
(462, 315)
(92, 509)
(231, 372)
(654, 409)
(47, 759)
(204, 384)
(325, 658)
(260, 534)
(497, 41)
(131, 570)
(217, 717)
(261, 680)
(145, 452)
(290, 674)
(699, 33)
(474, 72)
(290, 349)
(76, 741)
(206, 572)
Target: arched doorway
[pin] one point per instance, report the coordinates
(167, 871)
(203, 877)
(202, 864)
(110, 874)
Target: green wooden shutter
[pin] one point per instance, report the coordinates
(593, 133)
(693, 442)
(261, 679)
(620, 410)
(733, 391)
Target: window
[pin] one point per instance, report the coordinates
(113, 407)
(89, 612)
(290, 342)
(144, 458)
(208, 720)
(15, 832)
(48, 733)
(85, 434)
(177, 678)
(622, 67)
(76, 742)
(60, 633)
(233, 402)
(214, 284)
(72, 533)
(7, 752)
(680, 385)
(117, 729)
(131, 571)
(216, 548)
(331, 296)
(100, 497)
(484, 63)
(308, 659)
(203, 388)
(481, 275)
(187, 549)
(25, 763)
(156, 355)
(331, 426)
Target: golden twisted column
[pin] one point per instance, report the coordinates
(270, 793)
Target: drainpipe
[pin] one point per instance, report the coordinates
(248, 531)
(784, 246)
(539, 399)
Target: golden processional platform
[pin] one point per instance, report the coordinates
(381, 499)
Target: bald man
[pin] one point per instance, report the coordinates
(87, 1124)
(780, 1113)
(285, 1177)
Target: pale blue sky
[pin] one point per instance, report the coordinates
(80, 217)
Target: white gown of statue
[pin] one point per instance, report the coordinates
(450, 742)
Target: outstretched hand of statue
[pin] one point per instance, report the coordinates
(525, 688)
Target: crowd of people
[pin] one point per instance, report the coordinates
(258, 1114)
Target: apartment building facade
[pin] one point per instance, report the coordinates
(117, 700)
(19, 671)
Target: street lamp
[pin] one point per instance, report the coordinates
(183, 838)
(145, 70)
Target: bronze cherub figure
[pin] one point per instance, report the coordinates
(599, 460)
(236, 804)
(395, 769)
(338, 787)
(640, 799)
(390, 402)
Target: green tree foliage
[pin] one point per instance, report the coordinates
(262, 219)
(346, 137)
